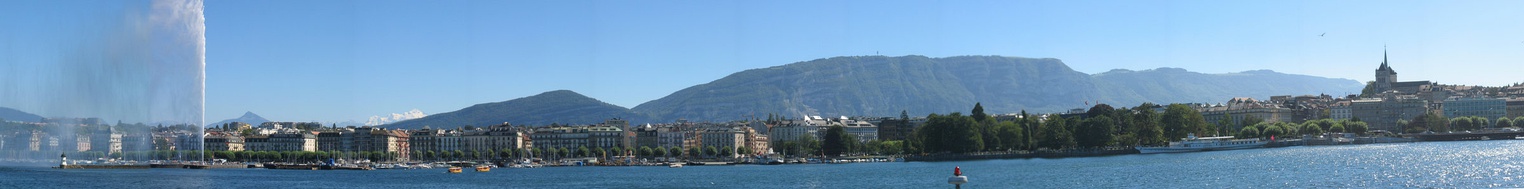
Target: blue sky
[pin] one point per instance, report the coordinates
(348, 60)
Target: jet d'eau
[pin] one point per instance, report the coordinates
(111, 78)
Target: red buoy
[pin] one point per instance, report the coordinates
(957, 171)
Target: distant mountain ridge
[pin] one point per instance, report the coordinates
(884, 86)
(560, 106)
(248, 117)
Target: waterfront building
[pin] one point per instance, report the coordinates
(625, 137)
(722, 138)
(560, 137)
(1515, 106)
(815, 126)
(301, 141)
(669, 136)
(186, 140)
(605, 136)
(645, 136)
(1340, 111)
(863, 130)
(450, 140)
(757, 141)
(506, 136)
(1490, 108)
(220, 141)
(1383, 113)
(794, 130)
(1242, 107)
(475, 139)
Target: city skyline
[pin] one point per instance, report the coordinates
(338, 61)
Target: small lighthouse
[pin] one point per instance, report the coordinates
(63, 161)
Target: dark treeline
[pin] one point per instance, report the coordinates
(1101, 126)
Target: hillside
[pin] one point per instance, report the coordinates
(883, 86)
(18, 115)
(561, 106)
(248, 117)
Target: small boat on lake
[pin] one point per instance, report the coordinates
(1193, 144)
(483, 168)
(454, 170)
(674, 165)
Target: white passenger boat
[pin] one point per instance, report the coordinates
(1193, 144)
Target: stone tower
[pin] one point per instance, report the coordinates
(1385, 76)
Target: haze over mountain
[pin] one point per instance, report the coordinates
(560, 106)
(883, 86)
(17, 115)
(248, 117)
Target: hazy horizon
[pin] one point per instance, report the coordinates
(336, 61)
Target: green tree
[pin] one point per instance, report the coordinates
(1012, 135)
(1518, 121)
(1055, 134)
(835, 141)
(744, 150)
(727, 151)
(645, 151)
(978, 113)
(950, 133)
(695, 152)
(1149, 131)
(1181, 119)
(1337, 128)
(1461, 123)
(1504, 122)
(1428, 122)
(675, 151)
(1369, 90)
(1273, 131)
(584, 152)
(1357, 127)
(1480, 123)
(1311, 128)
(1094, 132)
(1289, 129)
(1248, 132)
(659, 152)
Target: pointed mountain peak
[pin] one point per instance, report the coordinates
(250, 115)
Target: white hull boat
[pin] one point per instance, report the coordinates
(1193, 144)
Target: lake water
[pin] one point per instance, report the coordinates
(1468, 164)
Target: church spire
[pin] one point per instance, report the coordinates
(1384, 67)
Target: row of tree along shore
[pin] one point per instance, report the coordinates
(1103, 130)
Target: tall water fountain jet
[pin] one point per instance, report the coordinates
(126, 85)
